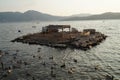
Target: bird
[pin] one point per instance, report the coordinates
(19, 30)
(75, 60)
(39, 57)
(39, 49)
(71, 70)
(51, 57)
(28, 74)
(44, 64)
(33, 56)
(63, 65)
(53, 74)
(9, 70)
(25, 63)
(2, 65)
(1, 54)
(33, 78)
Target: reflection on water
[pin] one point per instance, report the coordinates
(46, 63)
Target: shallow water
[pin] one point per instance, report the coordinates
(105, 56)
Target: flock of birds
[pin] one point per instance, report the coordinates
(5, 71)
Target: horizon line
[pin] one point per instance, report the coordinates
(64, 15)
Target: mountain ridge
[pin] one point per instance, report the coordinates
(105, 16)
(81, 15)
(32, 15)
(29, 15)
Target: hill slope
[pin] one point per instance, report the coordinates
(27, 16)
(32, 15)
(108, 15)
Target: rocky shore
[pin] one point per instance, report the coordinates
(74, 39)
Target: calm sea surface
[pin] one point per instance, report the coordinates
(106, 56)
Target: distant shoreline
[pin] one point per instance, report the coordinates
(59, 21)
(32, 15)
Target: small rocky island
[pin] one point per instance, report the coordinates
(56, 36)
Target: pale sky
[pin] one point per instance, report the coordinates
(61, 7)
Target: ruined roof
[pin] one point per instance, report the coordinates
(57, 26)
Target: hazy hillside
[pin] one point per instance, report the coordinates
(108, 15)
(27, 16)
(81, 15)
(32, 15)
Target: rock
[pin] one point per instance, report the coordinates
(33, 78)
(19, 61)
(14, 57)
(17, 50)
(28, 74)
(5, 75)
(81, 40)
(108, 77)
(6, 53)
